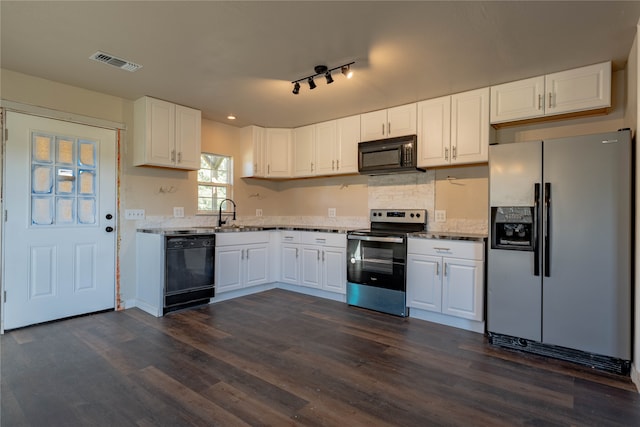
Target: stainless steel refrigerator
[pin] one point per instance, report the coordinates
(561, 236)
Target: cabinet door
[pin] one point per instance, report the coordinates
(160, 132)
(424, 282)
(257, 265)
(434, 132)
(278, 152)
(290, 269)
(326, 153)
(348, 136)
(188, 139)
(470, 127)
(373, 125)
(228, 267)
(311, 266)
(579, 89)
(304, 151)
(519, 100)
(401, 120)
(462, 288)
(253, 151)
(334, 270)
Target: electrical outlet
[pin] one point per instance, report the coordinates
(441, 216)
(332, 212)
(178, 212)
(258, 212)
(134, 214)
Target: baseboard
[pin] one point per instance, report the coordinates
(443, 319)
(224, 296)
(129, 303)
(312, 291)
(148, 308)
(635, 375)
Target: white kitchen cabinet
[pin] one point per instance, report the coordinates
(166, 134)
(278, 152)
(242, 260)
(324, 259)
(571, 91)
(454, 129)
(252, 157)
(290, 257)
(447, 277)
(389, 123)
(348, 136)
(304, 151)
(327, 152)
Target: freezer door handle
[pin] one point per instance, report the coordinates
(536, 227)
(547, 230)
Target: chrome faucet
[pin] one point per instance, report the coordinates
(220, 221)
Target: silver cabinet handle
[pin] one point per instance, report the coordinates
(539, 101)
(296, 252)
(454, 153)
(437, 268)
(389, 128)
(383, 129)
(247, 254)
(321, 240)
(268, 169)
(338, 164)
(441, 249)
(445, 269)
(332, 162)
(549, 99)
(446, 153)
(311, 166)
(241, 253)
(318, 253)
(322, 256)
(180, 157)
(255, 168)
(173, 155)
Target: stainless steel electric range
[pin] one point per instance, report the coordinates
(377, 260)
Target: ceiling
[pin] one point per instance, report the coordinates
(239, 57)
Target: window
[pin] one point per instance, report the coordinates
(214, 182)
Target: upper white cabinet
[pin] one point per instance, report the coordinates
(397, 121)
(454, 129)
(166, 134)
(348, 136)
(253, 142)
(570, 91)
(278, 152)
(326, 147)
(304, 151)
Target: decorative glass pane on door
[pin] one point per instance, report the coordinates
(63, 180)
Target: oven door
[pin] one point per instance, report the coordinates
(376, 260)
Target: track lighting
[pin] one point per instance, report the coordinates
(328, 77)
(322, 70)
(346, 70)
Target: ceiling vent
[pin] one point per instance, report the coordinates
(116, 62)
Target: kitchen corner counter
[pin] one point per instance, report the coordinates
(448, 235)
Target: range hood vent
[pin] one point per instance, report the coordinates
(115, 62)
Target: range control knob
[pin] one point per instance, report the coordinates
(412, 215)
(417, 215)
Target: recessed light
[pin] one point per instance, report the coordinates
(231, 117)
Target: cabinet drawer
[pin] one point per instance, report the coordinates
(290, 236)
(324, 239)
(448, 248)
(241, 238)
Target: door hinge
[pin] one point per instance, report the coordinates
(4, 296)
(6, 215)
(6, 134)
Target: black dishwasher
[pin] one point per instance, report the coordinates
(189, 270)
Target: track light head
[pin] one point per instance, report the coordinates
(312, 84)
(328, 77)
(346, 70)
(296, 88)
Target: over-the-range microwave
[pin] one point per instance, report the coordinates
(391, 155)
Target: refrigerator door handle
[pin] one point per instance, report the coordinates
(547, 230)
(536, 227)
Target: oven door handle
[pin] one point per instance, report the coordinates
(376, 238)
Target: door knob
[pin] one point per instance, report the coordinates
(109, 229)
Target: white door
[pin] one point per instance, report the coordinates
(60, 206)
(424, 282)
(229, 268)
(257, 265)
(462, 288)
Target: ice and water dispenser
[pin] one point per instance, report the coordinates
(513, 228)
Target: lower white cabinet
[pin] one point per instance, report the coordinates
(242, 260)
(446, 276)
(314, 259)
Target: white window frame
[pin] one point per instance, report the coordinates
(228, 207)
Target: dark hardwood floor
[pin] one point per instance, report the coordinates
(281, 358)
